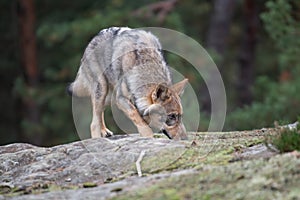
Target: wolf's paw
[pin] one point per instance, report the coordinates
(145, 131)
(106, 133)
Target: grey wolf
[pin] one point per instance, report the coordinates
(127, 66)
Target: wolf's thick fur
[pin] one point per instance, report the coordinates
(127, 65)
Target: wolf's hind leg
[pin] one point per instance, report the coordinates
(98, 128)
(97, 111)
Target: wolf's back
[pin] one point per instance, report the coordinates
(115, 51)
(96, 57)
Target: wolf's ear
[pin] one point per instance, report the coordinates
(161, 93)
(179, 87)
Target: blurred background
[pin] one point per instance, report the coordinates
(255, 44)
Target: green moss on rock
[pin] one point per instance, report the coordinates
(275, 178)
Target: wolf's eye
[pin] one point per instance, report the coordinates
(172, 119)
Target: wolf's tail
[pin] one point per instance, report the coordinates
(77, 89)
(69, 89)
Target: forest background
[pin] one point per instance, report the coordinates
(255, 44)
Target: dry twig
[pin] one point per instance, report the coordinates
(138, 163)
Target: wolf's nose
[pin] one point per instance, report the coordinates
(167, 134)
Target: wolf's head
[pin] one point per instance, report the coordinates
(165, 114)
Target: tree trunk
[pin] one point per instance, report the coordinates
(26, 16)
(246, 56)
(28, 53)
(217, 36)
(219, 26)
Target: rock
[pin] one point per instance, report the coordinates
(94, 161)
(105, 168)
(256, 151)
(107, 190)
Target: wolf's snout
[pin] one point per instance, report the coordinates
(156, 116)
(181, 135)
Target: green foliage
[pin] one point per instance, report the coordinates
(286, 140)
(276, 99)
(63, 31)
(280, 102)
(284, 30)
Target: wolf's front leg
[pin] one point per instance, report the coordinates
(132, 113)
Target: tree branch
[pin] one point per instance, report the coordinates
(160, 10)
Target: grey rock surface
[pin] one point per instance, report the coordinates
(209, 165)
(93, 161)
(107, 190)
